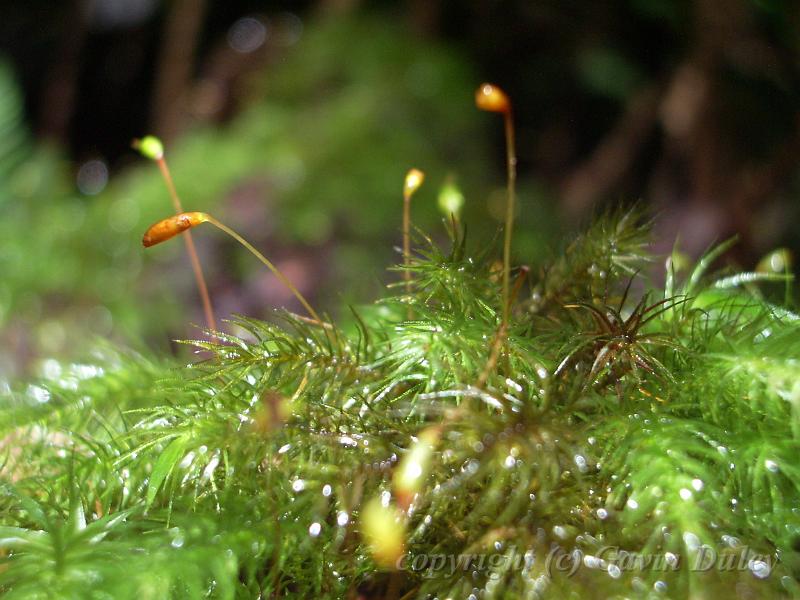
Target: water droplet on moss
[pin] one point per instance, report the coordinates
(580, 462)
(177, 539)
(759, 568)
(691, 540)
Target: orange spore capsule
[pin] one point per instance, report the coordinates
(172, 226)
(491, 98)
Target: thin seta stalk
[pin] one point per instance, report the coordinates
(152, 148)
(172, 226)
(491, 98)
(413, 181)
(500, 335)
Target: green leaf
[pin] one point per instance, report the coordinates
(164, 466)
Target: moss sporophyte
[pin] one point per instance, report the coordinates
(151, 147)
(171, 226)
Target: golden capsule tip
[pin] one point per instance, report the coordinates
(168, 228)
(414, 179)
(491, 98)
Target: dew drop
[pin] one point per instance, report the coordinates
(208, 472)
(591, 562)
(730, 540)
(580, 462)
(39, 394)
(471, 467)
(314, 529)
(691, 540)
(759, 568)
(178, 540)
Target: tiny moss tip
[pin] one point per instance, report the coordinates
(491, 98)
(150, 147)
(450, 199)
(414, 179)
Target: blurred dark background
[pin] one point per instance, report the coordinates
(295, 121)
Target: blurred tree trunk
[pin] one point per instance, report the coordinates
(694, 139)
(614, 156)
(176, 62)
(61, 84)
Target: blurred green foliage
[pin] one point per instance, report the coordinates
(311, 172)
